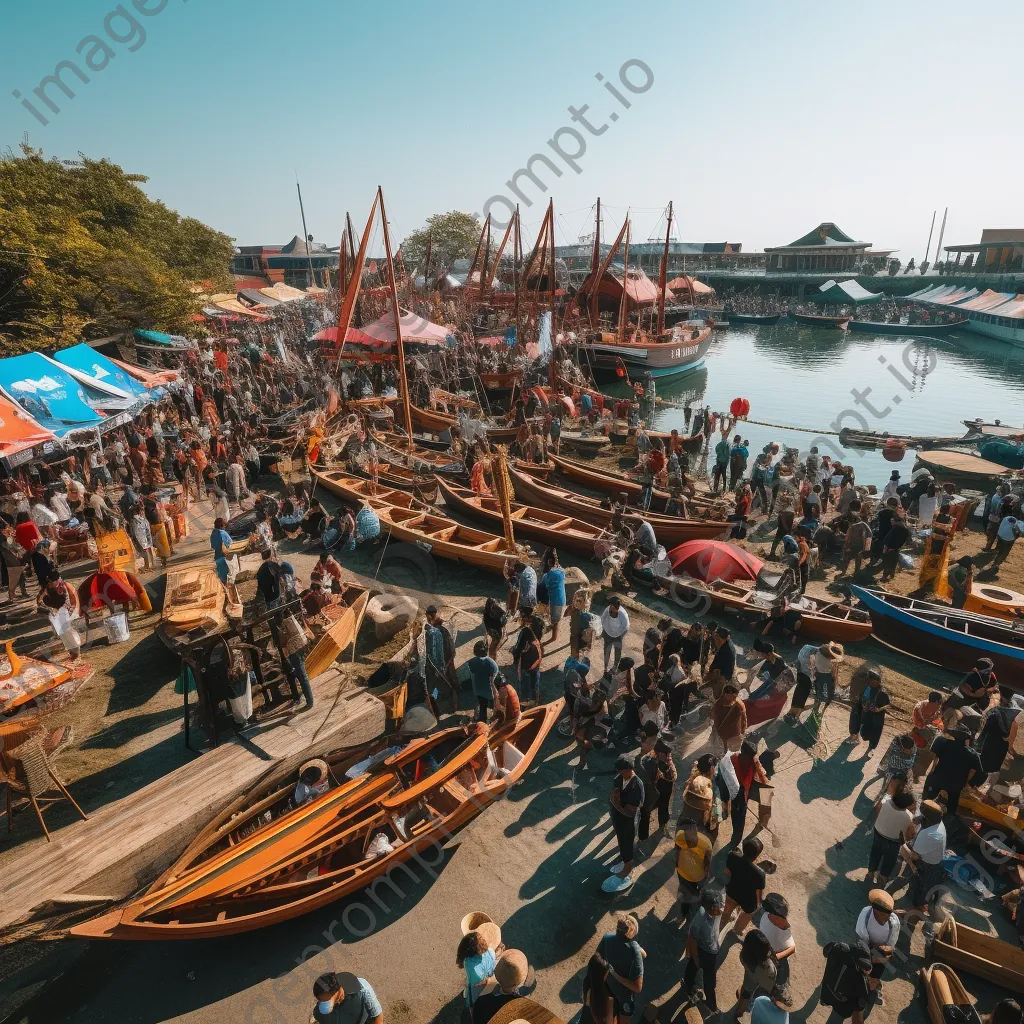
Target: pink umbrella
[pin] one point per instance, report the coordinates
(714, 560)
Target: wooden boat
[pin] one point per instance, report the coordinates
(988, 599)
(980, 953)
(420, 459)
(501, 381)
(914, 330)
(538, 469)
(438, 422)
(549, 528)
(436, 533)
(194, 597)
(401, 477)
(249, 872)
(943, 991)
(966, 468)
(583, 444)
(22, 678)
(670, 530)
(970, 807)
(996, 430)
(874, 439)
(680, 351)
(949, 637)
(355, 489)
(761, 319)
(342, 633)
(832, 621)
(616, 483)
(816, 320)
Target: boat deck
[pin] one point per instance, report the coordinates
(125, 844)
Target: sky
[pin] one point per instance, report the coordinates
(758, 120)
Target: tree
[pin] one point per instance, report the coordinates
(85, 253)
(453, 236)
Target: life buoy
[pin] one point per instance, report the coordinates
(893, 451)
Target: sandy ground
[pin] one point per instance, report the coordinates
(534, 862)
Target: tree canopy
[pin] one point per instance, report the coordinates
(85, 253)
(453, 236)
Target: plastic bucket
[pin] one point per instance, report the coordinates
(116, 628)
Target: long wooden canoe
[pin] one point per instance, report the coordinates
(980, 953)
(342, 633)
(437, 422)
(817, 320)
(670, 530)
(394, 475)
(950, 637)
(966, 468)
(548, 528)
(944, 991)
(998, 430)
(418, 458)
(833, 621)
(435, 533)
(616, 483)
(310, 856)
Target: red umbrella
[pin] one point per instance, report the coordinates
(714, 560)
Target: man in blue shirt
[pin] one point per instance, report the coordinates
(482, 672)
(554, 582)
(345, 999)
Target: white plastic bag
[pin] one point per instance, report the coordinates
(116, 628)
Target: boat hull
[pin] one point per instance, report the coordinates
(660, 359)
(341, 635)
(913, 330)
(933, 641)
(753, 318)
(814, 320)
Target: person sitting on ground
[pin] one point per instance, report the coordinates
(327, 569)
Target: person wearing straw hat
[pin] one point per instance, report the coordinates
(510, 972)
(877, 930)
(345, 999)
(313, 782)
(477, 956)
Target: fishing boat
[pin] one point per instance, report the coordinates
(419, 458)
(760, 319)
(849, 438)
(342, 633)
(832, 621)
(616, 483)
(549, 528)
(587, 445)
(268, 862)
(946, 996)
(435, 533)
(949, 637)
(194, 597)
(914, 330)
(966, 468)
(995, 430)
(683, 350)
(817, 320)
(542, 470)
(670, 530)
(392, 475)
(501, 381)
(438, 422)
(980, 953)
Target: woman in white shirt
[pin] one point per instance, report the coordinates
(877, 929)
(893, 818)
(774, 925)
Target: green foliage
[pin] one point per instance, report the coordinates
(453, 236)
(85, 253)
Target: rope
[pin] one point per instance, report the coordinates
(786, 426)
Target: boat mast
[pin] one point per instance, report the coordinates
(305, 236)
(605, 264)
(503, 485)
(624, 303)
(487, 251)
(554, 276)
(397, 314)
(489, 279)
(595, 259)
(347, 307)
(426, 267)
(517, 259)
(942, 232)
(663, 276)
(928, 247)
(476, 254)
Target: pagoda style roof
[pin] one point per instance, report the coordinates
(825, 236)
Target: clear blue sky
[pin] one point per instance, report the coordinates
(762, 120)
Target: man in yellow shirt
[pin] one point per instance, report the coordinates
(693, 863)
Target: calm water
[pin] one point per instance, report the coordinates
(803, 377)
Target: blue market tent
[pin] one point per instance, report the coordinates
(90, 367)
(48, 393)
(159, 338)
(848, 292)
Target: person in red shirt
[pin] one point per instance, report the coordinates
(657, 460)
(744, 498)
(26, 532)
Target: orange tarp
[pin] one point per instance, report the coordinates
(18, 430)
(679, 284)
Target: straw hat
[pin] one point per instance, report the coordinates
(491, 934)
(835, 651)
(524, 1011)
(628, 926)
(317, 763)
(881, 900)
(511, 969)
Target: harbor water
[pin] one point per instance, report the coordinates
(825, 380)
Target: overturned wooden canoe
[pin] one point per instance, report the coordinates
(670, 530)
(548, 528)
(980, 953)
(405, 518)
(342, 633)
(287, 861)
